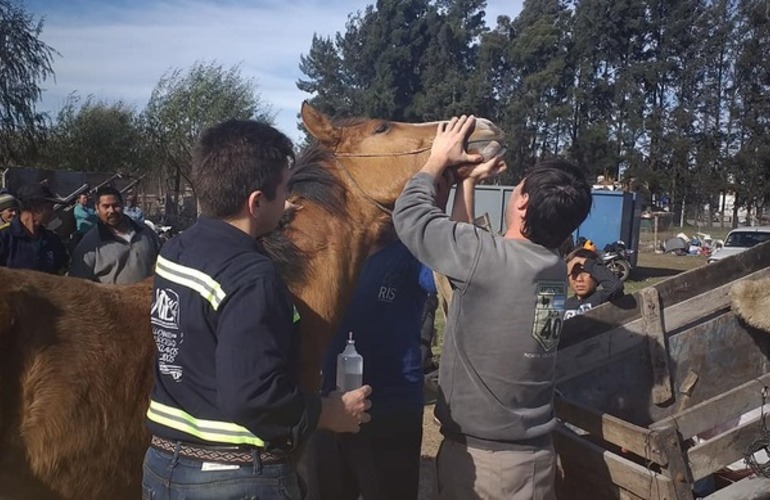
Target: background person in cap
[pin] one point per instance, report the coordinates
(9, 208)
(25, 243)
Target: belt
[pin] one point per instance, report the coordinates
(224, 454)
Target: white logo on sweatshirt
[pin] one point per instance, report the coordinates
(549, 313)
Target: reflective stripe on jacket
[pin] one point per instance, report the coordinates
(207, 430)
(227, 349)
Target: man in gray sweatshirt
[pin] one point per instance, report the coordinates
(118, 250)
(496, 373)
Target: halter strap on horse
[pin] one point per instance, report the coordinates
(355, 183)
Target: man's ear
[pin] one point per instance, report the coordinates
(522, 203)
(255, 202)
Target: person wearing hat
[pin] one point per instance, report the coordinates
(25, 242)
(9, 208)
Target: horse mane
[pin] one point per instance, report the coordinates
(311, 181)
(350, 122)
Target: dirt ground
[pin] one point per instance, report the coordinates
(651, 268)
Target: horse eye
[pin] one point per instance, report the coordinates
(382, 128)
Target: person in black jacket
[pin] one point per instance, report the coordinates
(226, 411)
(591, 281)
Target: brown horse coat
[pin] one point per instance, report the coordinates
(76, 357)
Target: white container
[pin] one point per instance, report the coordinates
(350, 367)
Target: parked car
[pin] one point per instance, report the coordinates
(741, 239)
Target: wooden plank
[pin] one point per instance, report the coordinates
(617, 431)
(654, 330)
(627, 495)
(754, 488)
(672, 291)
(688, 384)
(577, 358)
(717, 410)
(678, 470)
(591, 353)
(724, 449)
(577, 453)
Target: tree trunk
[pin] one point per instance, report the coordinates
(177, 188)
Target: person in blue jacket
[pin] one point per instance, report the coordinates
(85, 216)
(387, 317)
(25, 242)
(226, 412)
(384, 316)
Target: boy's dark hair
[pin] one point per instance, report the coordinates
(582, 252)
(234, 159)
(107, 191)
(559, 201)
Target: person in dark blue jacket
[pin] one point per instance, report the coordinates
(226, 411)
(387, 316)
(25, 242)
(384, 315)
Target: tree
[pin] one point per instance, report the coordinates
(449, 82)
(25, 61)
(608, 103)
(96, 137)
(183, 104)
(538, 111)
(327, 79)
(752, 79)
(381, 51)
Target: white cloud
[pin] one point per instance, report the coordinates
(119, 51)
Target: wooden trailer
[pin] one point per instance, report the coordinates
(639, 380)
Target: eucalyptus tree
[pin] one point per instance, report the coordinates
(184, 102)
(95, 136)
(25, 62)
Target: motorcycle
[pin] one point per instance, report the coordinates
(164, 233)
(616, 257)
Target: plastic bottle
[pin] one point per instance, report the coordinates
(350, 367)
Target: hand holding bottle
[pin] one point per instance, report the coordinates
(345, 412)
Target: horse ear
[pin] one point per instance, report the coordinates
(319, 125)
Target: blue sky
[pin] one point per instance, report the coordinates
(119, 49)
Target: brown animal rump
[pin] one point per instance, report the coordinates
(76, 357)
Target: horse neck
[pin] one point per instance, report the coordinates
(336, 249)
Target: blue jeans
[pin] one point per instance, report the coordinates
(168, 476)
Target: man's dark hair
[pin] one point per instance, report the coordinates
(559, 201)
(107, 191)
(234, 159)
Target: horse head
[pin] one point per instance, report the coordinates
(345, 187)
(376, 157)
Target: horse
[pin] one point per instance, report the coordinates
(76, 357)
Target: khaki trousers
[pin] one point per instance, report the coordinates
(465, 473)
